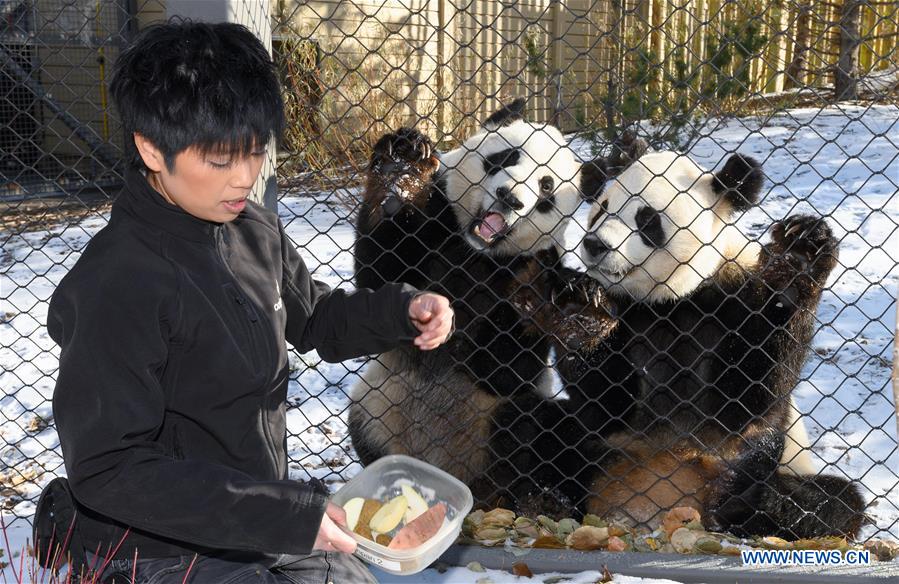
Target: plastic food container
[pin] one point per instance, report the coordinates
(383, 480)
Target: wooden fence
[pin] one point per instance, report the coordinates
(789, 44)
(444, 64)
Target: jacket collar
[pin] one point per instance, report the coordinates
(144, 203)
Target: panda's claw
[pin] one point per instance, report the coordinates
(792, 229)
(405, 152)
(806, 242)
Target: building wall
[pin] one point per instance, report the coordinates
(75, 45)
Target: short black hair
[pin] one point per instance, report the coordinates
(186, 84)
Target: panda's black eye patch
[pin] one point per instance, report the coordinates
(500, 160)
(546, 205)
(649, 225)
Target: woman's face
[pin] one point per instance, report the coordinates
(213, 186)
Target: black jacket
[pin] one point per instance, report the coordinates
(170, 400)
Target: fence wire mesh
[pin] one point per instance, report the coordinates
(644, 319)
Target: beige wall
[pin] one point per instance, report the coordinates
(150, 11)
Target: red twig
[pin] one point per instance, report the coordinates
(56, 557)
(21, 567)
(50, 560)
(90, 569)
(134, 567)
(189, 568)
(65, 546)
(8, 549)
(32, 570)
(109, 557)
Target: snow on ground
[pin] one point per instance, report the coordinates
(464, 575)
(18, 534)
(841, 162)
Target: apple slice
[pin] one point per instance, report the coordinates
(420, 530)
(353, 508)
(417, 504)
(389, 516)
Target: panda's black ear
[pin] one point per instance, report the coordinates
(505, 115)
(740, 182)
(594, 175)
(626, 149)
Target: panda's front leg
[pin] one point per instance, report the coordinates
(394, 232)
(752, 497)
(796, 264)
(769, 324)
(568, 306)
(780, 302)
(399, 176)
(582, 321)
(579, 318)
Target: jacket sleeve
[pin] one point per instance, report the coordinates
(342, 325)
(109, 409)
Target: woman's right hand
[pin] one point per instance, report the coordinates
(330, 537)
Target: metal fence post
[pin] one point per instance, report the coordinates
(255, 15)
(896, 368)
(846, 73)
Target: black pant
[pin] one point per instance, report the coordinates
(316, 568)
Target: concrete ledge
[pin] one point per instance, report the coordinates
(681, 568)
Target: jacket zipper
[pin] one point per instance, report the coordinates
(270, 357)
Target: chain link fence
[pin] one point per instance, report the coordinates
(677, 361)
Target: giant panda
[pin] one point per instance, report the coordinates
(481, 225)
(712, 331)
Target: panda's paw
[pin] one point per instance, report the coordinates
(583, 333)
(584, 314)
(576, 291)
(808, 243)
(406, 151)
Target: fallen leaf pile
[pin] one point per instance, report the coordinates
(680, 531)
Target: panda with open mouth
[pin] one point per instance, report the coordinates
(514, 187)
(482, 225)
(713, 330)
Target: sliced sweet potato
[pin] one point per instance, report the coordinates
(420, 530)
(369, 508)
(383, 539)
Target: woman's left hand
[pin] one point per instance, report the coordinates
(433, 316)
